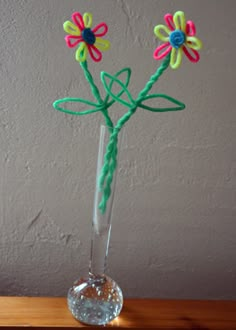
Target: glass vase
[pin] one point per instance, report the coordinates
(97, 299)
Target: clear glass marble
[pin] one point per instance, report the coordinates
(97, 299)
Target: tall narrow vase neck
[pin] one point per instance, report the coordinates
(101, 224)
(99, 251)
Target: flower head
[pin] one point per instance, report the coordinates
(80, 33)
(179, 38)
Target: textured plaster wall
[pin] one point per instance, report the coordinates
(174, 214)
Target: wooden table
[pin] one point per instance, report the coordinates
(42, 312)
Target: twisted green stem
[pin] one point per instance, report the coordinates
(153, 79)
(110, 158)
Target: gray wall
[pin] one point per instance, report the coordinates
(174, 215)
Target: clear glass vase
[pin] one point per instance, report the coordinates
(97, 299)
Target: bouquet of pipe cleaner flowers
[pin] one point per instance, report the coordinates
(179, 38)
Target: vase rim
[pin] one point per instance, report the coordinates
(110, 127)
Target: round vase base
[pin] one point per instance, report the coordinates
(97, 300)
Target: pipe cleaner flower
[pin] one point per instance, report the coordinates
(179, 38)
(89, 41)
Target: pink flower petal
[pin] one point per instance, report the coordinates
(73, 41)
(95, 53)
(191, 54)
(169, 21)
(103, 27)
(190, 28)
(78, 20)
(158, 56)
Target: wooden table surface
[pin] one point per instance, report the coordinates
(43, 312)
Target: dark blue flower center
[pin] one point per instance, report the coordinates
(88, 36)
(177, 38)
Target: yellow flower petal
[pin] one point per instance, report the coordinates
(88, 20)
(102, 44)
(159, 29)
(81, 52)
(194, 43)
(176, 57)
(71, 29)
(179, 21)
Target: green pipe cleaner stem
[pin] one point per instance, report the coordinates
(110, 158)
(153, 79)
(96, 93)
(127, 116)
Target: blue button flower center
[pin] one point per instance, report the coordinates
(88, 36)
(177, 38)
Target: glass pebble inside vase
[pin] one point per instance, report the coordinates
(97, 299)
